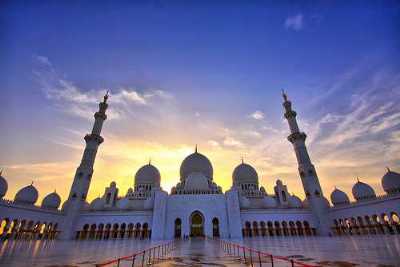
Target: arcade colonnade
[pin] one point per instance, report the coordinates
(105, 231)
(25, 229)
(277, 228)
(368, 224)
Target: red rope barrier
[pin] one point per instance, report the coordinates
(142, 252)
(252, 250)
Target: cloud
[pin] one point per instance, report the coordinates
(257, 115)
(294, 22)
(76, 101)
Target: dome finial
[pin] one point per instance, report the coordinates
(195, 150)
(149, 161)
(358, 179)
(106, 96)
(32, 182)
(1, 171)
(242, 160)
(388, 169)
(284, 95)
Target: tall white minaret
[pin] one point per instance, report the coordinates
(308, 174)
(83, 175)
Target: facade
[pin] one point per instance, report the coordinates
(196, 206)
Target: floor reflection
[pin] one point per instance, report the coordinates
(327, 251)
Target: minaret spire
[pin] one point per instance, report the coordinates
(307, 171)
(84, 172)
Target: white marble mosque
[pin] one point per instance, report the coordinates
(197, 206)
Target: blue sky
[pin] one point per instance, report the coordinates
(182, 73)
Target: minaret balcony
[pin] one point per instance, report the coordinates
(290, 114)
(296, 137)
(94, 137)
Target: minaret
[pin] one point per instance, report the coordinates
(308, 174)
(83, 175)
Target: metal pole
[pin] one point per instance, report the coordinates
(244, 255)
(259, 258)
(251, 258)
(118, 262)
(292, 263)
(144, 252)
(272, 260)
(133, 261)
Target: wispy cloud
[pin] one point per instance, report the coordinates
(257, 115)
(294, 22)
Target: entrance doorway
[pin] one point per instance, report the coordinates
(215, 223)
(178, 228)
(196, 224)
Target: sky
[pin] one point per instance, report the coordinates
(210, 73)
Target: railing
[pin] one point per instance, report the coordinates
(254, 257)
(142, 258)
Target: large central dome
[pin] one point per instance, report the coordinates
(196, 162)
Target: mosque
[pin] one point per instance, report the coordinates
(197, 206)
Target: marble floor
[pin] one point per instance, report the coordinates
(335, 251)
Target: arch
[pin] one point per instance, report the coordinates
(196, 224)
(285, 228)
(138, 230)
(92, 231)
(307, 228)
(107, 232)
(178, 228)
(277, 228)
(130, 230)
(100, 230)
(270, 228)
(84, 232)
(248, 229)
(263, 228)
(255, 228)
(395, 221)
(215, 223)
(145, 229)
(115, 230)
(292, 228)
(300, 230)
(122, 230)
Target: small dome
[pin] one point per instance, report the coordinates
(338, 197)
(269, 202)
(3, 186)
(362, 191)
(244, 173)
(295, 202)
(391, 182)
(196, 162)
(113, 184)
(51, 201)
(196, 181)
(27, 195)
(97, 204)
(148, 174)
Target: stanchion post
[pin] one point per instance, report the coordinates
(259, 258)
(118, 261)
(292, 262)
(144, 252)
(244, 255)
(133, 261)
(272, 260)
(251, 258)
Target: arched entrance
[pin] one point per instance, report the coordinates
(196, 224)
(178, 228)
(215, 223)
